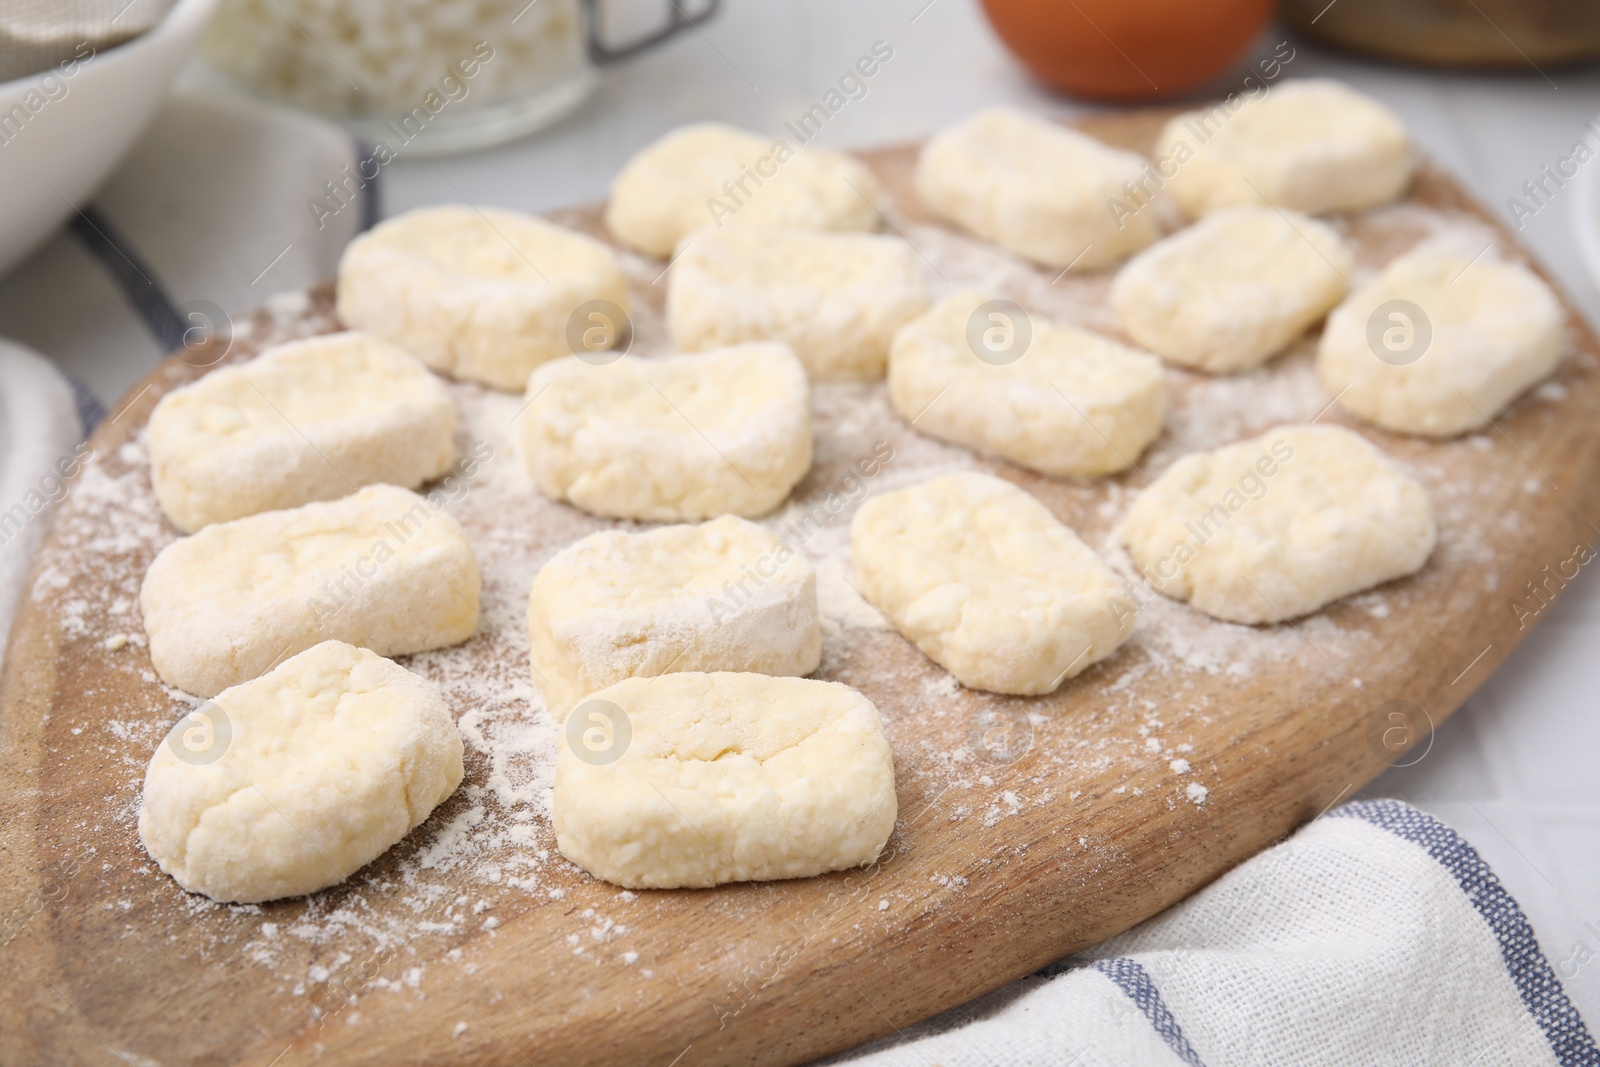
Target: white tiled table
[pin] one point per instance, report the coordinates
(1516, 769)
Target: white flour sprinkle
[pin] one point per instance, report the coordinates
(487, 857)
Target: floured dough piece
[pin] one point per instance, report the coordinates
(383, 568)
(1035, 188)
(1233, 290)
(983, 579)
(701, 779)
(308, 420)
(1072, 403)
(294, 781)
(725, 595)
(708, 174)
(1275, 527)
(482, 294)
(1438, 344)
(725, 432)
(1312, 145)
(835, 298)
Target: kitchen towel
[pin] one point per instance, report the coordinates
(1374, 935)
(223, 203)
(42, 421)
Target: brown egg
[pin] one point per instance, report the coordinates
(1128, 49)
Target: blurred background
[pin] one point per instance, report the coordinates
(1519, 98)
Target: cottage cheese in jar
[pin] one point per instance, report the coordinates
(432, 75)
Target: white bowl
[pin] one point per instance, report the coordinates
(61, 135)
(1586, 214)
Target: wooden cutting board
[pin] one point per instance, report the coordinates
(1028, 829)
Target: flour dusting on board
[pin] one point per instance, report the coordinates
(488, 855)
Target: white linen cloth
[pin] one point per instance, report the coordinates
(1374, 936)
(211, 213)
(40, 425)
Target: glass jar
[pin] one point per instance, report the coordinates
(435, 76)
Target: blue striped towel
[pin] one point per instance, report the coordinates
(220, 205)
(1374, 935)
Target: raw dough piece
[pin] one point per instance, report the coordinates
(1312, 145)
(725, 595)
(483, 294)
(725, 432)
(308, 420)
(708, 174)
(1073, 403)
(1233, 290)
(983, 579)
(835, 298)
(701, 779)
(1274, 528)
(1486, 332)
(1036, 188)
(383, 568)
(294, 781)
